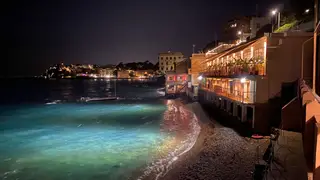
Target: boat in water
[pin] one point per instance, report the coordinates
(87, 99)
(54, 102)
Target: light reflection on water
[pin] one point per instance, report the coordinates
(79, 141)
(107, 140)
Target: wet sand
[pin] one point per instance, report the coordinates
(219, 153)
(183, 125)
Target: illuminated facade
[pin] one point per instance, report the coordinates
(176, 83)
(242, 79)
(144, 73)
(168, 60)
(106, 72)
(123, 74)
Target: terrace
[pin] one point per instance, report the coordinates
(244, 59)
(238, 90)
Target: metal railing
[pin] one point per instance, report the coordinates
(234, 71)
(241, 96)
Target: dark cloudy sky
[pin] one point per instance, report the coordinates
(39, 33)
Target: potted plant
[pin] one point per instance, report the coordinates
(230, 66)
(258, 63)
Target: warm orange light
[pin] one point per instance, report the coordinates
(265, 50)
(251, 52)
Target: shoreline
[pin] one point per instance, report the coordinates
(219, 153)
(207, 128)
(182, 146)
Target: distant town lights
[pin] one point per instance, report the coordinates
(307, 11)
(233, 25)
(239, 32)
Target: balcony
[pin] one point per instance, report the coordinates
(243, 97)
(234, 71)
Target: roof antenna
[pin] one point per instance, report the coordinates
(193, 46)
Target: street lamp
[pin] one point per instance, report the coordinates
(274, 12)
(243, 80)
(307, 11)
(239, 32)
(200, 78)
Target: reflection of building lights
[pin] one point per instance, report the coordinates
(243, 80)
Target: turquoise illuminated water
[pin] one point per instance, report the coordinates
(112, 140)
(79, 141)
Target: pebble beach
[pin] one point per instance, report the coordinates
(219, 153)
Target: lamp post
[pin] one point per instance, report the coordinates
(240, 35)
(307, 11)
(276, 12)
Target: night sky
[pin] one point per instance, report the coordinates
(39, 33)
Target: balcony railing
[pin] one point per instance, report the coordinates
(247, 97)
(234, 71)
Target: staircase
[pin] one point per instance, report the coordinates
(183, 87)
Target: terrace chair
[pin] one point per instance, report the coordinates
(259, 172)
(261, 169)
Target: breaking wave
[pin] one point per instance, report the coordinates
(162, 166)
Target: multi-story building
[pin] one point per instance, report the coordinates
(194, 73)
(144, 73)
(177, 81)
(243, 79)
(256, 23)
(168, 60)
(123, 74)
(236, 25)
(106, 72)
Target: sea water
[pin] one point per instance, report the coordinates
(94, 140)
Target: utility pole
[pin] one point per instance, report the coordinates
(279, 16)
(315, 80)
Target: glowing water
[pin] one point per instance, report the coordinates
(79, 141)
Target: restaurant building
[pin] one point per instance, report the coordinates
(243, 79)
